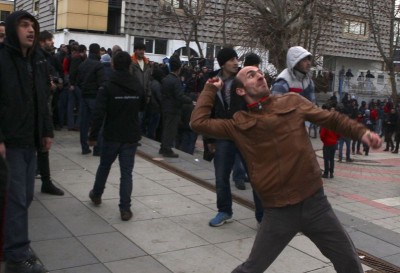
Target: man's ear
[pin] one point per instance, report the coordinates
(240, 91)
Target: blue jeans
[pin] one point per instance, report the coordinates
(126, 157)
(22, 168)
(225, 154)
(188, 141)
(86, 111)
(341, 142)
(74, 101)
(238, 170)
(153, 122)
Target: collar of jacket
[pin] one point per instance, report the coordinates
(258, 104)
(135, 60)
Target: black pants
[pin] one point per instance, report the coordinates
(329, 158)
(315, 218)
(170, 129)
(43, 166)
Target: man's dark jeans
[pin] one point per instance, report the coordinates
(315, 218)
(329, 158)
(126, 156)
(224, 159)
(22, 168)
(346, 141)
(86, 111)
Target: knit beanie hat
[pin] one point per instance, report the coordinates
(105, 58)
(225, 55)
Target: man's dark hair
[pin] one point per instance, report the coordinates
(82, 49)
(121, 61)
(174, 63)
(139, 45)
(252, 59)
(2, 23)
(94, 49)
(45, 35)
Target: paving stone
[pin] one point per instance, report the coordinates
(145, 264)
(45, 228)
(112, 246)
(93, 268)
(370, 244)
(63, 253)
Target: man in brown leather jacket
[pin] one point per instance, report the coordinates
(283, 168)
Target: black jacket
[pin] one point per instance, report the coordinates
(173, 96)
(24, 90)
(118, 104)
(90, 76)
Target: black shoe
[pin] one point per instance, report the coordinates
(126, 215)
(331, 176)
(349, 160)
(85, 152)
(169, 153)
(340, 160)
(96, 200)
(27, 266)
(240, 185)
(325, 175)
(96, 153)
(386, 150)
(139, 144)
(395, 152)
(50, 188)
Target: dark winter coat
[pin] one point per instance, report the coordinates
(118, 104)
(173, 96)
(24, 90)
(90, 76)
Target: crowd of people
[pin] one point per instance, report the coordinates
(113, 98)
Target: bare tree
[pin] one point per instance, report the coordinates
(378, 12)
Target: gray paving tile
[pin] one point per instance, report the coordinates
(159, 235)
(302, 243)
(93, 268)
(63, 253)
(203, 259)
(172, 204)
(373, 245)
(45, 228)
(108, 247)
(393, 259)
(37, 210)
(145, 264)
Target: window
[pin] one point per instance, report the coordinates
(381, 79)
(155, 46)
(177, 4)
(212, 50)
(35, 7)
(355, 27)
(3, 15)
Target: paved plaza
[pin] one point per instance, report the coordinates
(169, 231)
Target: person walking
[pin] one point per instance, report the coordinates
(329, 138)
(117, 106)
(283, 167)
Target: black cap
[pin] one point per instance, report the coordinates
(225, 55)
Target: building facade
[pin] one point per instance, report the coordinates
(6, 7)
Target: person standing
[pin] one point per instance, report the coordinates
(329, 138)
(90, 79)
(296, 78)
(25, 127)
(173, 100)
(283, 167)
(141, 70)
(46, 44)
(117, 106)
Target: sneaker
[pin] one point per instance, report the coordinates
(126, 215)
(27, 266)
(86, 152)
(50, 188)
(95, 199)
(325, 175)
(240, 185)
(220, 219)
(331, 175)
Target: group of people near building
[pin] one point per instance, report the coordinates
(262, 131)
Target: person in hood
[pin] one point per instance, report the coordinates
(25, 127)
(117, 105)
(296, 77)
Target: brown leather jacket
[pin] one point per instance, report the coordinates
(273, 140)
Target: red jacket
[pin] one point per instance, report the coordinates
(328, 137)
(373, 115)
